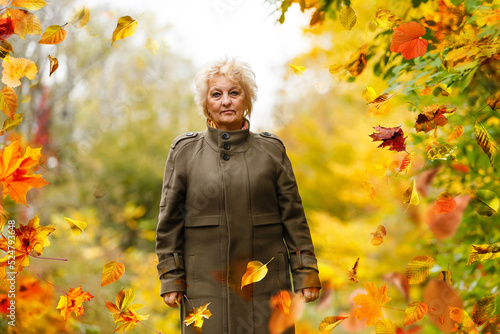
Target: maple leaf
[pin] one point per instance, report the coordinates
(16, 68)
(125, 313)
(392, 137)
(196, 316)
(29, 238)
(73, 302)
(6, 28)
(371, 303)
(15, 173)
(431, 117)
(406, 40)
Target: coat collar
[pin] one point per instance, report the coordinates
(238, 140)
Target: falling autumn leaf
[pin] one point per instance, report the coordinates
(385, 326)
(25, 23)
(112, 272)
(414, 312)
(484, 309)
(196, 316)
(405, 166)
(419, 269)
(5, 48)
(355, 65)
(8, 101)
(125, 313)
(15, 172)
(28, 4)
(456, 131)
(446, 276)
(256, 271)
(487, 202)
(462, 317)
(6, 28)
(125, 27)
(485, 141)
(347, 17)
(444, 203)
(54, 64)
(298, 70)
(53, 35)
(29, 238)
(282, 301)
(406, 40)
(411, 194)
(353, 273)
(80, 17)
(16, 68)
(494, 101)
(378, 236)
(432, 116)
(387, 19)
(371, 303)
(73, 302)
(77, 226)
(483, 252)
(392, 137)
(11, 124)
(329, 323)
(381, 100)
(441, 152)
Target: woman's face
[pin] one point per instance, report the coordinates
(225, 103)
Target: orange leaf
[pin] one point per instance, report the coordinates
(125, 312)
(73, 302)
(16, 68)
(29, 238)
(53, 35)
(8, 101)
(112, 272)
(444, 203)
(25, 23)
(405, 166)
(196, 316)
(406, 40)
(15, 172)
(371, 303)
(414, 312)
(282, 301)
(456, 131)
(54, 64)
(378, 236)
(256, 271)
(353, 273)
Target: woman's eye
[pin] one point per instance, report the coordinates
(216, 94)
(235, 93)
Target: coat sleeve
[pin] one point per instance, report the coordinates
(303, 262)
(169, 232)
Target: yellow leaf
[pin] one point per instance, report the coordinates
(387, 19)
(369, 94)
(333, 68)
(8, 101)
(16, 68)
(441, 152)
(456, 131)
(53, 35)
(125, 27)
(298, 70)
(124, 297)
(347, 17)
(256, 271)
(77, 226)
(353, 273)
(446, 276)
(419, 269)
(487, 143)
(484, 309)
(483, 252)
(25, 23)
(112, 272)
(411, 195)
(462, 317)
(196, 316)
(28, 4)
(329, 323)
(152, 46)
(414, 312)
(384, 326)
(378, 236)
(494, 101)
(80, 17)
(5, 48)
(488, 201)
(54, 64)
(11, 124)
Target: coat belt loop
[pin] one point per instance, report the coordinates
(176, 261)
(299, 260)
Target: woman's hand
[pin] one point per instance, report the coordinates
(309, 294)
(172, 299)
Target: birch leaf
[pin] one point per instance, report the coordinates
(484, 309)
(487, 143)
(446, 276)
(53, 35)
(77, 226)
(329, 323)
(419, 269)
(112, 272)
(256, 271)
(385, 326)
(456, 131)
(483, 252)
(125, 27)
(11, 124)
(414, 312)
(25, 23)
(347, 17)
(8, 102)
(488, 200)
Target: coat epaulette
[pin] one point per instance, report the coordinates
(186, 135)
(271, 135)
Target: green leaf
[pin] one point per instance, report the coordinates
(472, 5)
(489, 202)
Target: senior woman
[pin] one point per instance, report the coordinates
(229, 197)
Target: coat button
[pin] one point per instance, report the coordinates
(226, 146)
(225, 135)
(225, 156)
(266, 133)
(189, 133)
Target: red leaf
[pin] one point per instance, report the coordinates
(406, 40)
(392, 137)
(6, 28)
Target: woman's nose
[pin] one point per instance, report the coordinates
(226, 100)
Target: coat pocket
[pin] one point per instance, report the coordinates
(284, 273)
(267, 219)
(201, 221)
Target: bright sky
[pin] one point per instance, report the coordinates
(204, 30)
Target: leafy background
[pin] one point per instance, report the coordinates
(101, 129)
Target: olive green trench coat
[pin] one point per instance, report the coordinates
(228, 198)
